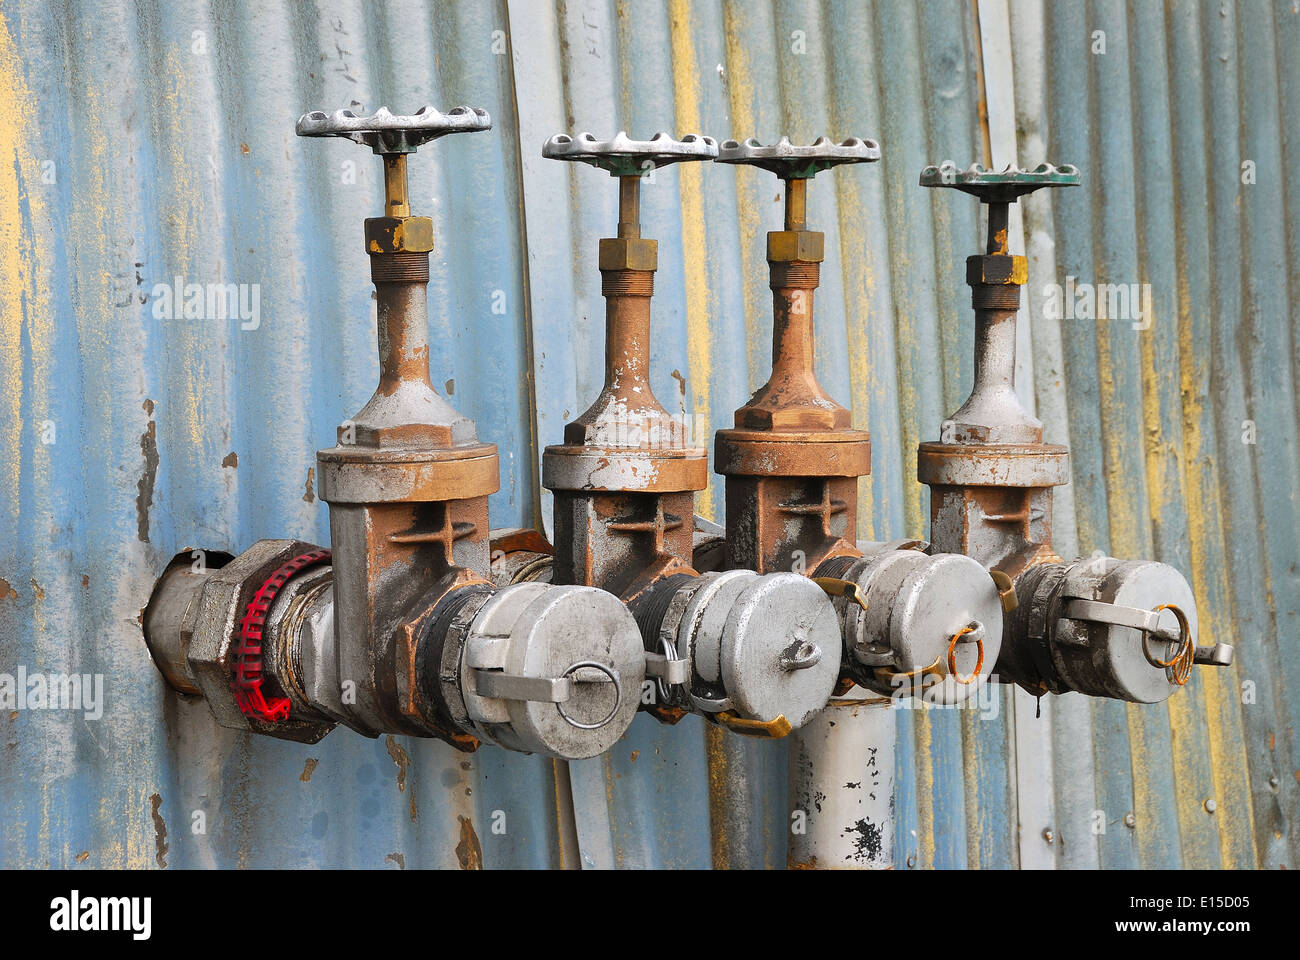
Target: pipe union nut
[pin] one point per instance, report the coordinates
(997, 268)
(629, 253)
(399, 235)
(796, 246)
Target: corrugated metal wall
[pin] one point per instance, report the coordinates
(153, 140)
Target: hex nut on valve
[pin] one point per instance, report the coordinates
(548, 669)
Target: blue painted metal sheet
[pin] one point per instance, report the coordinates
(1162, 108)
(149, 141)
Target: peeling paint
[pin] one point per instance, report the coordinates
(402, 762)
(160, 830)
(468, 851)
(144, 501)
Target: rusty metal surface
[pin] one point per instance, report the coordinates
(624, 478)
(175, 151)
(792, 460)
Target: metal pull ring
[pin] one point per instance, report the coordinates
(1180, 664)
(978, 630)
(618, 694)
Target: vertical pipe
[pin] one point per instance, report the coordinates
(841, 787)
(403, 330)
(995, 350)
(792, 321)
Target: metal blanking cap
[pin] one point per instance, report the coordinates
(1124, 629)
(918, 624)
(548, 669)
(762, 651)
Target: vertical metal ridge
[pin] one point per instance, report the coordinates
(1030, 782)
(909, 126)
(1125, 501)
(530, 344)
(1266, 342)
(1068, 746)
(1160, 361)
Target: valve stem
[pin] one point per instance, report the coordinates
(796, 204)
(396, 199)
(629, 207)
(999, 215)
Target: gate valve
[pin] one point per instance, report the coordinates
(1104, 627)
(907, 620)
(792, 460)
(625, 476)
(408, 482)
(990, 473)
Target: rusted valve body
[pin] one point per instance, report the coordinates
(909, 622)
(625, 477)
(407, 484)
(1102, 627)
(990, 474)
(792, 461)
(402, 632)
